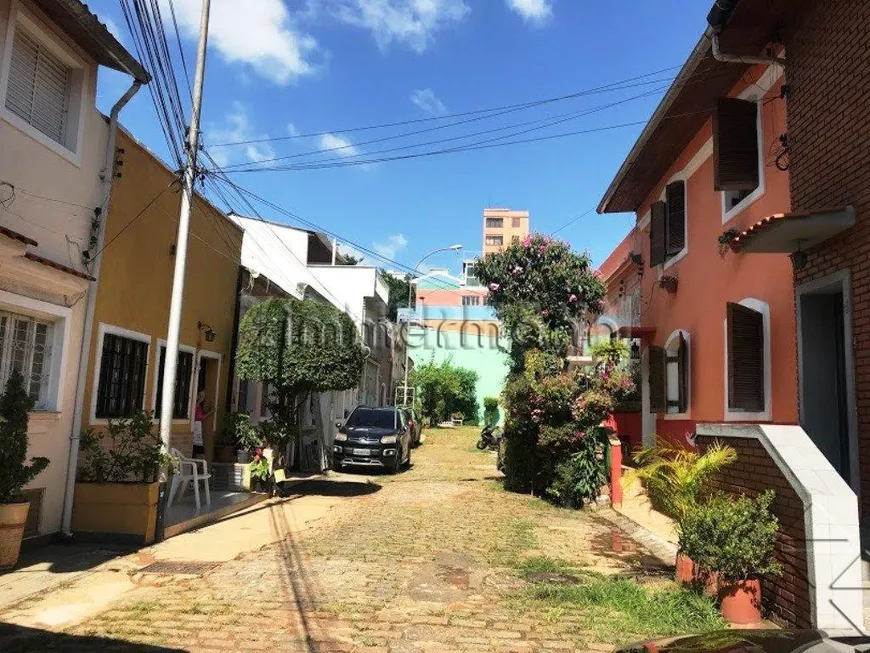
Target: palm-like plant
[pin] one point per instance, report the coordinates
(675, 478)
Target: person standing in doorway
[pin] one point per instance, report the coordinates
(200, 414)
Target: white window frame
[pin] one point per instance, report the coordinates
(671, 412)
(751, 94)
(213, 355)
(487, 242)
(161, 343)
(111, 329)
(59, 317)
(80, 84)
(755, 93)
(751, 415)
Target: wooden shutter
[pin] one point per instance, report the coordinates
(658, 396)
(735, 145)
(657, 234)
(675, 195)
(745, 358)
(683, 375)
(39, 85)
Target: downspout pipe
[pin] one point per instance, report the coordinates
(85, 351)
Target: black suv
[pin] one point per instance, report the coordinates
(373, 437)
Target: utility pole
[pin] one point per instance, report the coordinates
(170, 365)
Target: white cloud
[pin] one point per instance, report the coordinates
(338, 145)
(350, 250)
(408, 22)
(426, 99)
(291, 129)
(532, 11)
(237, 127)
(395, 244)
(260, 34)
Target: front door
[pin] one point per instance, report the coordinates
(824, 408)
(206, 381)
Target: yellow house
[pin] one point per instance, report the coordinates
(128, 341)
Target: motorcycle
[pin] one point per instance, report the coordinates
(490, 437)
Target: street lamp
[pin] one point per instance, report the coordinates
(452, 248)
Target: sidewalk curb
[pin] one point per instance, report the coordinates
(658, 546)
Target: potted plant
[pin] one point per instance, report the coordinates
(676, 479)
(239, 429)
(261, 471)
(734, 538)
(117, 485)
(15, 471)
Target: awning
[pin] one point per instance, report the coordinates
(636, 332)
(14, 235)
(786, 233)
(57, 266)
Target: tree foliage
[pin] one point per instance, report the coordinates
(445, 390)
(398, 294)
(126, 451)
(734, 536)
(347, 259)
(555, 443)
(299, 346)
(15, 471)
(490, 410)
(676, 478)
(545, 276)
(295, 348)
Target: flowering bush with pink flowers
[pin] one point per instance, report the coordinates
(544, 293)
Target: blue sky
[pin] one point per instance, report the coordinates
(283, 67)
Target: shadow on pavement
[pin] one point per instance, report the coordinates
(17, 639)
(326, 488)
(67, 558)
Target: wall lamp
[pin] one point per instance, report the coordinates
(209, 332)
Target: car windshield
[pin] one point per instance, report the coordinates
(381, 419)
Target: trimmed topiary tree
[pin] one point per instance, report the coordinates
(15, 471)
(490, 411)
(297, 348)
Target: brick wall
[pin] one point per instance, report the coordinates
(787, 597)
(828, 74)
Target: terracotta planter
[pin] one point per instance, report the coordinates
(740, 601)
(685, 569)
(13, 517)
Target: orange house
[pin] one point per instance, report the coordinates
(714, 331)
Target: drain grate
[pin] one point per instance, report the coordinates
(185, 567)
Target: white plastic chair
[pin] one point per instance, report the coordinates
(189, 470)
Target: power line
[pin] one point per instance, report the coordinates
(135, 218)
(341, 162)
(550, 121)
(304, 264)
(244, 193)
(489, 110)
(180, 48)
(453, 150)
(572, 221)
